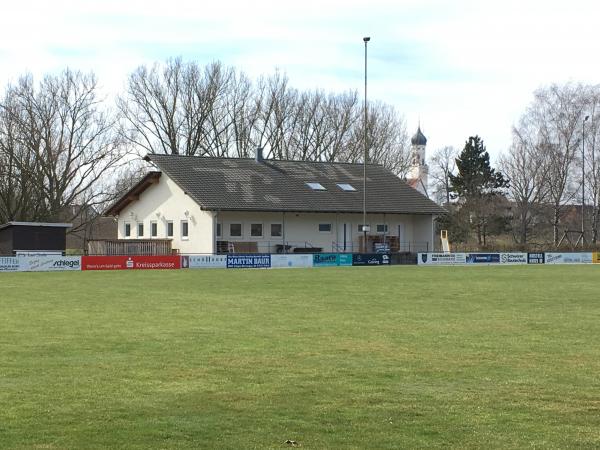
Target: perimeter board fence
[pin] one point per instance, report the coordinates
(52, 263)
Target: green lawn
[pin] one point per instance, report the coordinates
(333, 358)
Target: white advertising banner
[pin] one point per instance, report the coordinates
(513, 258)
(49, 263)
(9, 264)
(569, 258)
(204, 262)
(442, 258)
(292, 260)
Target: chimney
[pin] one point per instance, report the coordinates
(258, 156)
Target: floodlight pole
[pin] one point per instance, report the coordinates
(583, 181)
(365, 39)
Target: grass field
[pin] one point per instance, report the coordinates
(335, 358)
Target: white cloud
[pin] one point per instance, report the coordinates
(463, 67)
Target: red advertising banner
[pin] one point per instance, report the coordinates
(130, 262)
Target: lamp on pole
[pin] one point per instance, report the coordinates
(365, 156)
(583, 180)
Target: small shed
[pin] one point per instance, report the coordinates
(33, 237)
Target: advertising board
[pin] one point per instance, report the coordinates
(49, 263)
(9, 264)
(483, 258)
(326, 259)
(292, 260)
(596, 257)
(441, 258)
(250, 261)
(569, 258)
(130, 262)
(370, 259)
(513, 258)
(535, 258)
(204, 261)
(345, 259)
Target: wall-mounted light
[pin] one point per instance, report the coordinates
(186, 213)
(158, 214)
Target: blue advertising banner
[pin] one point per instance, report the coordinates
(345, 259)
(253, 261)
(370, 259)
(535, 258)
(325, 259)
(483, 258)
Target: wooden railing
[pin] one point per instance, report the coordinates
(109, 247)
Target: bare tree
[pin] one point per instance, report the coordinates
(555, 116)
(527, 171)
(60, 144)
(592, 135)
(443, 164)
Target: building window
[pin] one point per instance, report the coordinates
(235, 229)
(325, 227)
(366, 228)
(184, 229)
(153, 229)
(346, 187)
(127, 229)
(218, 230)
(256, 230)
(276, 230)
(316, 186)
(170, 229)
(141, 229)
(382, 228)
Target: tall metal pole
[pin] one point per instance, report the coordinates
(365, 156)
(583, 181)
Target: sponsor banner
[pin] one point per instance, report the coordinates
(483, 258)
(596, 257)
(535, 258)
(326, 259)
(513, 258)
(49, 263)
(568, 258)
(253, 261)
(204, 261)
(370, 259)
(292, 260)
(9, 264)
(345, 259)
(130, 262)
(442, 258)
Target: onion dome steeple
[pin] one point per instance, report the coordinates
(419, 138)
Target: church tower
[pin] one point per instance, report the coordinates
(417, 174)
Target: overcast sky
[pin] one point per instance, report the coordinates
(461, 67)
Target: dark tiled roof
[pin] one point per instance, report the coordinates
(247, 185)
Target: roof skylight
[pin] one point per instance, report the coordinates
(346, 187)
(316, 186)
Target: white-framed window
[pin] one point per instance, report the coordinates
(256, 229)
(219, 230)
(276, 230)
(169, 228)
(235, 230)
(382, 228)
(324, 228)
(362, 230)
(127, 229)
(184, 230)
(153, 229)
(140, 229)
